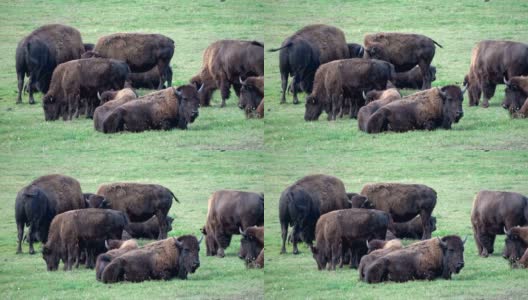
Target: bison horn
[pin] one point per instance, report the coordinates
(368, 245)
(364, 95)
(465, 240)
(442, 243)
(506, 81)
(106, 245)
(178, 243)
(99, 96)
(201, 88)
(201, 239)
(242, 82)
(241, 231)
(507, 232)
(464, 89)
(178, 92)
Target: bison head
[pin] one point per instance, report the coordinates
(358, 201)
(515, 246)
(51, 257)
(314, 108)
(515, 95)
(95, 201)
(169, 223)
(188, 103)
(189, 256)
(453, 255)
(52, 109)
(250, 94)
(320, 256)
(376, 51)
(250, 246)
(91, 54)
(452, 97)
(355, 50)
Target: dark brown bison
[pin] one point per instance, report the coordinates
(412, 79)
(251, 95)
(104, 259)
(425, 110)
(516, 248)
(140, 201)
(302, 203)
(94, 201)
(304, 51)
(161, 110)
(81, 79)
(337, 230)
(403, 202)
(140, 51)
(111, 100)
(41, 51)
(37, 203)
(252, 245)
(224, 62)
(404, 51)
(88, 47)
(72, 228)
(516, 95)
(377, 250)
(340, 79)
(149, 229)
(150, 79)
(412, 229)
(427, 260)
(492, 212)
(355, 50)
(490, 62)
(375, 100)
(175, 257)
(227, 212)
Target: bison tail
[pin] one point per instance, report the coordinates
(113, 272)
(377, 122)
(277, 49)
(437, 44)
(175, 199)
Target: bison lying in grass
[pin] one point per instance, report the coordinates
(375, 100)
(377, 249)
(104, 259)
(111, 100)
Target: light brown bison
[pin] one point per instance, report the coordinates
(251, 95)
(302, 203)
(375, 100)
(412, 79)
(174, 257)
(404, 51)
(161, 110)
(492, 212)
(425, 110)
(228, 211)
(516, 248)
(150, 79)
(72, 228)
(490, 62)
(516, 95)
(37, 203)
(377, 250)
(111, 100)
(140, 51)
(374, 245)
(104, 259)
(304, 51)
(403, 202)
(41, 51)
(337, 230)
(252, 246)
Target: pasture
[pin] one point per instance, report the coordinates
(485, 150)
(220, 150)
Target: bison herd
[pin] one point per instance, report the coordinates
(74, 77)
(363, 230)
(339, 77)
(99, 230)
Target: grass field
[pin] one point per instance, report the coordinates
(486, 150)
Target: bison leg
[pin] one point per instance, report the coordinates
(336, 256)
(488, 89)
(477, 240)
(426, 224)
(487, 241)
(162, 221)
(295, 83)
(20, 228)
(237, 87)
(426, 74)
(163, 65)
(31, 232)
(284, 86)
(31, 80)
(224, 91)
(20, 77)
(284, 234)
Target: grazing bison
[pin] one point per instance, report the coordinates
(375, 100)
(150, 79)
(37, 203)
(404, 51)
(412, 229)
(302, 203)
(140, 51)
(149, 229)
(252, 246)
(227, 212)
(349, 78)
(41, 51)
(72, 228)
(412, 79)
(81, 79)
(161, 110)
(337, 230)
(304, 51)
(490, 61)
(427, 259)
(429, 109)
(140, 202)
(175, 257)
(111, 100)
(492, 212)
(516, 249)
(403, 202)
(516, 95)
(224, 62)
(251, 95)
(104, 259)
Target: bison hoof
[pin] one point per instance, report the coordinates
(19, 252)
(31, 251)
(283, 251)
(295, 251)
(295, 101)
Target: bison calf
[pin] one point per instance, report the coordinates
(412, 229)
(412, 79)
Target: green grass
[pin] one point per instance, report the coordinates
(220, 150)
(486, 150)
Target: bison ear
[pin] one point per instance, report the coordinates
(465, 240)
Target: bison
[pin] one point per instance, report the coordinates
(377, 250)
(37, 203)
(251, 95)
(72, 228)
(490, 61)
(140, 201)
(375, 100)
(374, 245)
(492, 212)
(337, 80)
(516, 95)
(304, 51)
(516, 248)
(111, 100)
(252, 246)
(412, 229)
(41, 51)
(412, 79)
(337, 230)
(150, 79)
(228, 211)
(104, 259)
(302, 203)
(149, 229)
(403, 202)
(161, 110)
(425, 110)
(175, 257)
(94, 201)
(404, 51)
